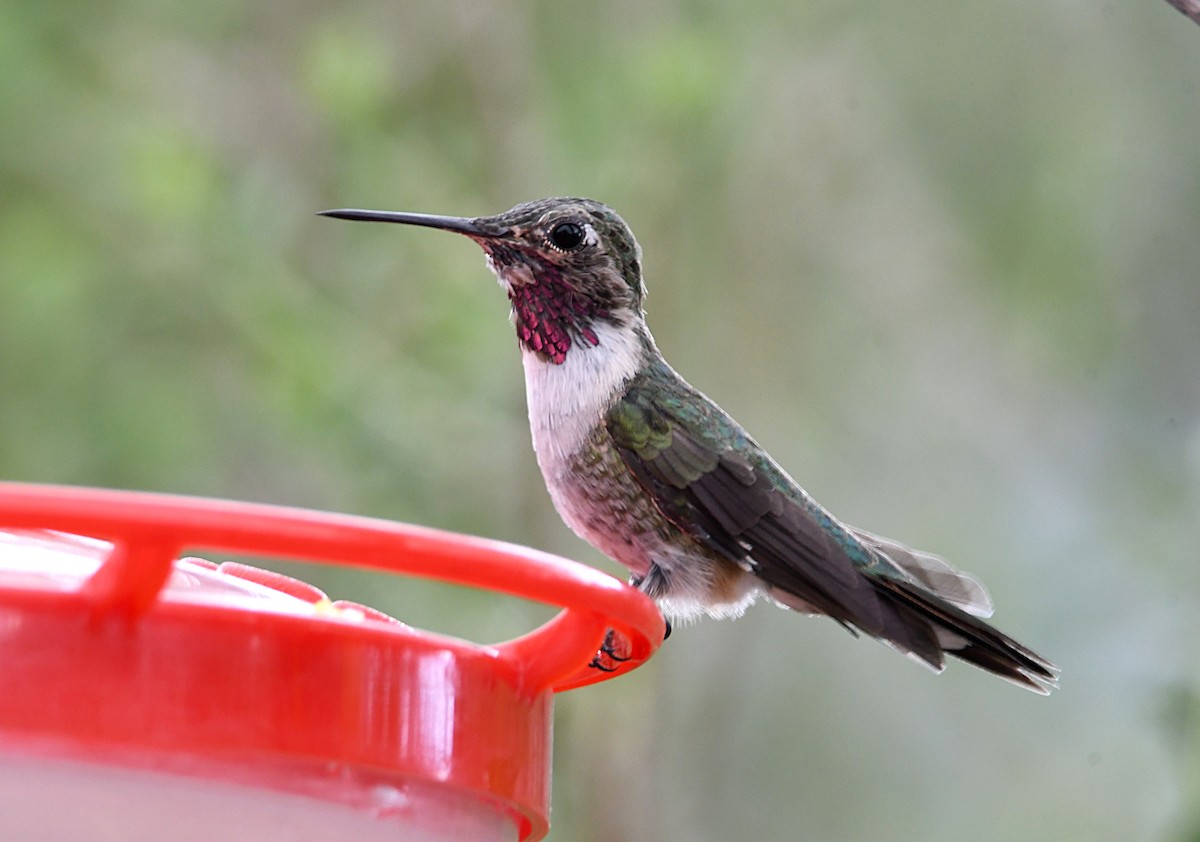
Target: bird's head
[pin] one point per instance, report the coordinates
(568, 265)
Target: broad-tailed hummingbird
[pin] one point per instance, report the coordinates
(655, 475)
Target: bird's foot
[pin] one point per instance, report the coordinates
(637, 582)
(608, 659)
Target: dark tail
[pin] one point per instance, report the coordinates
(930, 627)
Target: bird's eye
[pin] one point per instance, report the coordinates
(567, 235)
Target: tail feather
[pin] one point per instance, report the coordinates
(962, 635)
(932, 571)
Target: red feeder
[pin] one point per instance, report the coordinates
(149, 697)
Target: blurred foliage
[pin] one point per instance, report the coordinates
(941, 258)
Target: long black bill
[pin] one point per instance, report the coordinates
(447, 223)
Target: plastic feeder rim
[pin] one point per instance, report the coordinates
(330, 700)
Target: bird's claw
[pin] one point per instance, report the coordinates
(636, 582)
(607, 659)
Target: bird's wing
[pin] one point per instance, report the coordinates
(709, 478)
(713, 481)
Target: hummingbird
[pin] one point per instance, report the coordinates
(656, 476)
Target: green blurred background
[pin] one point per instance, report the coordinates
(942, 259)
